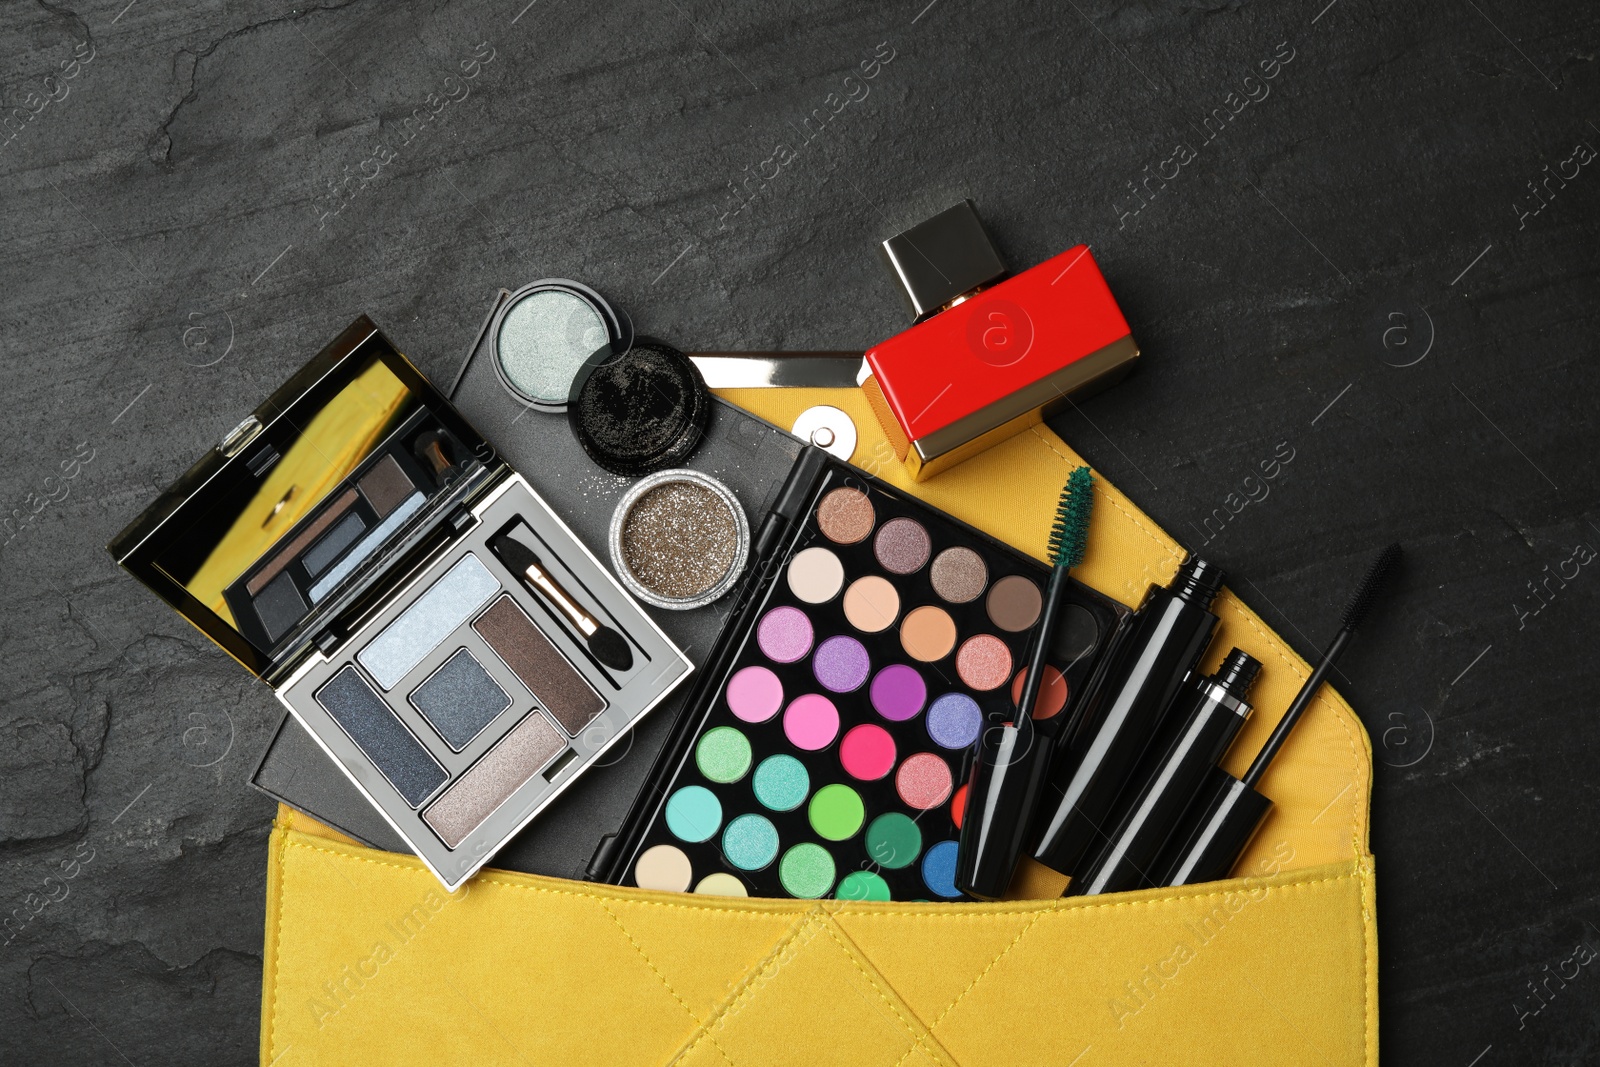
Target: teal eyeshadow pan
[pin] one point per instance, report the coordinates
(694, 814)
(781, 783)
(750, 842)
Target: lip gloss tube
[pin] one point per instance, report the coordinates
(1210, 712)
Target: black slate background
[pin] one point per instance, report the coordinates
(1345, 268)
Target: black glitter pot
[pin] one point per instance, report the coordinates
(679, 539)
(640, 411)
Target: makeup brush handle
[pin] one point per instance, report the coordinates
(558, 596)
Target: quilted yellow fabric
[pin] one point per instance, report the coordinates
(369, 961)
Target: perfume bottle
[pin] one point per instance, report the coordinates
(989, 355)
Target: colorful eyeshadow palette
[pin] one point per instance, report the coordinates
(824, 750)
(346, 544)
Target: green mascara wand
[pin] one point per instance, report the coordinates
(1068, 537)
(1014, 757)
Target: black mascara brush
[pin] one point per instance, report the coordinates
(1355, 613)
(1230, 810)
(1014, 758)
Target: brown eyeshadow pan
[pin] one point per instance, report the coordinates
(549, 676)
(846, 516)
(385, 485)
(1014, 603)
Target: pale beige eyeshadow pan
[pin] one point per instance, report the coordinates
(815, 575)
(871, 604)
(515, 758)
(663, 867)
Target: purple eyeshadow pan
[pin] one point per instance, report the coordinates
(898, 692)
(954, 721)
(841, 664)
(784, 634)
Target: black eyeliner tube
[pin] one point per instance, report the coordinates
(1170, 634)
(1209, 712)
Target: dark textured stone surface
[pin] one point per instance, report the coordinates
(169, 251)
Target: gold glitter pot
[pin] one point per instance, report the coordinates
(679, 539)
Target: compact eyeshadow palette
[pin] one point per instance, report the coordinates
(825, 746)
(435, 627)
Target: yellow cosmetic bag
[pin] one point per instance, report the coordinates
(369, 961)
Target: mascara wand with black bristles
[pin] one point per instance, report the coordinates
(1014, 757)
(1355, 613)
(1230, 810)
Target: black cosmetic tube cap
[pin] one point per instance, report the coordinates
(1224, 819)
(1007, 778)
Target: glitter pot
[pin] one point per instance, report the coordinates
(638, 409)
(542, 335)
(679, 539)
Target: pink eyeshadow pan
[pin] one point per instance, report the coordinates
(867, 752)
(811, 722)
(784, 634)
(923, 781)
(755, 694)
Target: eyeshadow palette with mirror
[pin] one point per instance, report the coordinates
(427, 618)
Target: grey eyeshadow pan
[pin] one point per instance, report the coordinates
(280, 606)
(392, 748)
(333, 543)
(460, 699)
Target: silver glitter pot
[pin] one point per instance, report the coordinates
(542, 334)
(740, 539)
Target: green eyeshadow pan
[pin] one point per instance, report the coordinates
(862, 885)
(836, 812)
(806, 870)
(723, 755)
(894, 840)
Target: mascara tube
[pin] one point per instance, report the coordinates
(1214, 833)
(1009, 775)
(1210, 711)
(1170, 634)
